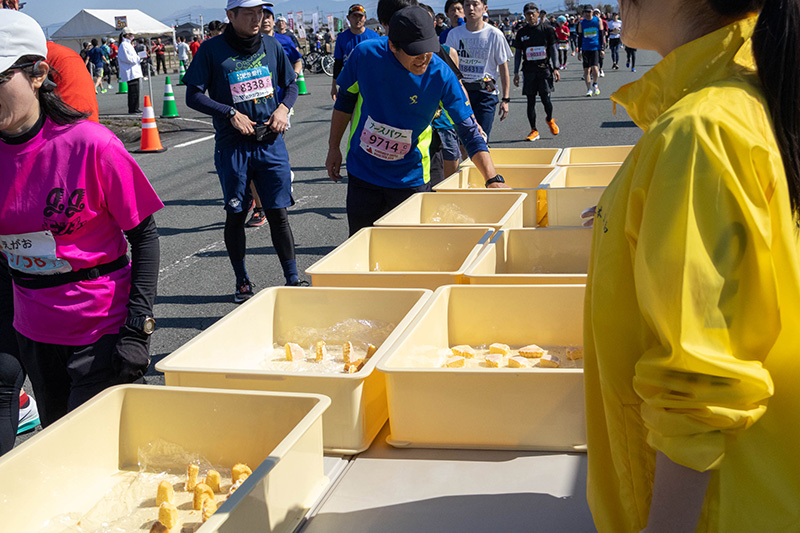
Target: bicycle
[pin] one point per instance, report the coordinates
(316, 62)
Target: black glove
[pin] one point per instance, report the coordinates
(131, 356)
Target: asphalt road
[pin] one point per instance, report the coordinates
(196, 282)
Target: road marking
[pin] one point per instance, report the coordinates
(196, 120)
(201, 139)
(186, 262)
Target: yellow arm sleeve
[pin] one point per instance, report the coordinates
(699, 228)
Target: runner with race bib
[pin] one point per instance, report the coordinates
(535, 47)
(389, 91)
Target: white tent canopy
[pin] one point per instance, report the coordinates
(104, 22)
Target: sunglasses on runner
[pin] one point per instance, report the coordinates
(6, 76)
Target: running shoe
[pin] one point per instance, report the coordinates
(628, 64)
(28, 417)
(299, 283)
(533, 136)
(259, 218)
(243, 292)
(602, 74)
(589, 92)
(633, 70)
(104, 91)
(596, 90)
(553, 126)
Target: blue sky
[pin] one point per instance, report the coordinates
(49, 12)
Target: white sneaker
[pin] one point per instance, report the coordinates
(589, 92)
(596, 90)
(28, 417)
(602, 74)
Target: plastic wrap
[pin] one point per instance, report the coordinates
(435, 357)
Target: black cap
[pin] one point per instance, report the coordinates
(530, 6)
(412, 29)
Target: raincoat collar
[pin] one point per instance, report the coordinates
(688, 68)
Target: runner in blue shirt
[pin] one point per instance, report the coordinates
(391, 89)
(590, 44)
(455, 12)
(241, 70)
(349, 39)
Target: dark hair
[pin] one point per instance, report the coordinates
(94, 43)
(429, 9)
(387, 8)
(51, 103)
(449, 3)
(215, 25)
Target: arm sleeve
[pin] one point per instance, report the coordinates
(337, 67)
(345, 101)
(705, 281)
(199, 101)
(517, 57)
(471, 136)
(145, 256)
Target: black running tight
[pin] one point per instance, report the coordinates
(282, 238)
(548, 107)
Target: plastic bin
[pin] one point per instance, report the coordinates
(520, 156)
(516, 177)
(534, 256)
(594, 155)
(568, 191)
(495, 209)
(228, 354)
(401, 257)
(489, 408)
(68, 468)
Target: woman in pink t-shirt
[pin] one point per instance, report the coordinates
(71, 200)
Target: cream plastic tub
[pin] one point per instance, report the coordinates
(494, 209)
(401, 257)
(566, 192)
(489, 408)
(228, 354)
(594, 155)
(520, 156)
(69, 467)
(516, 177)
(533, 256)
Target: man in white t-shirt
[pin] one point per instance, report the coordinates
(182, 49)
(483, 53)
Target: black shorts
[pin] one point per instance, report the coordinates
(591, 58)
(536, 83)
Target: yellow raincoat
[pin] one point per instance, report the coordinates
(692, 320)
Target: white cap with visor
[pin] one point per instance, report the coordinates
(20, 36)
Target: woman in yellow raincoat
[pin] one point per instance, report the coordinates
(692, 320)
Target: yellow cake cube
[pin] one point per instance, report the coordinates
(166, 494)
(455, 361)
(517, 362)
(549, 361)
(463, 350)
(574, 352)
(208, 508)
(494, 360)
(355, 366)
(213, 480)
(347, 353)
(240, 471)
(168, 515)
(191, 477)
(294, 352)
(201, 491)
(499, 348)
(532, 351)
(371, 349)
(322, 351)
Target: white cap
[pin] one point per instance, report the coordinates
(246, 3)
(20, 36)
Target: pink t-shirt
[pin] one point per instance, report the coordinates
(65, 198)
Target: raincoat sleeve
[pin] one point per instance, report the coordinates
(700, 234)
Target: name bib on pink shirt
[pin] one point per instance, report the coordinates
(33, 253)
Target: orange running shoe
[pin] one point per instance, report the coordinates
(553, 126)
(533, 136)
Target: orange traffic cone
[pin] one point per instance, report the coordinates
(151, 142)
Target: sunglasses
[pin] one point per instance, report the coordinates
(6, 76)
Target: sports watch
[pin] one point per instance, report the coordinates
(141, 324)
(231, 112)
(496, 179)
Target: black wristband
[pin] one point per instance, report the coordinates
(506, 100)
(497, 179)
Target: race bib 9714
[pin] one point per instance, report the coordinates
(385, 142)
(33, 253)
(250, 84)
